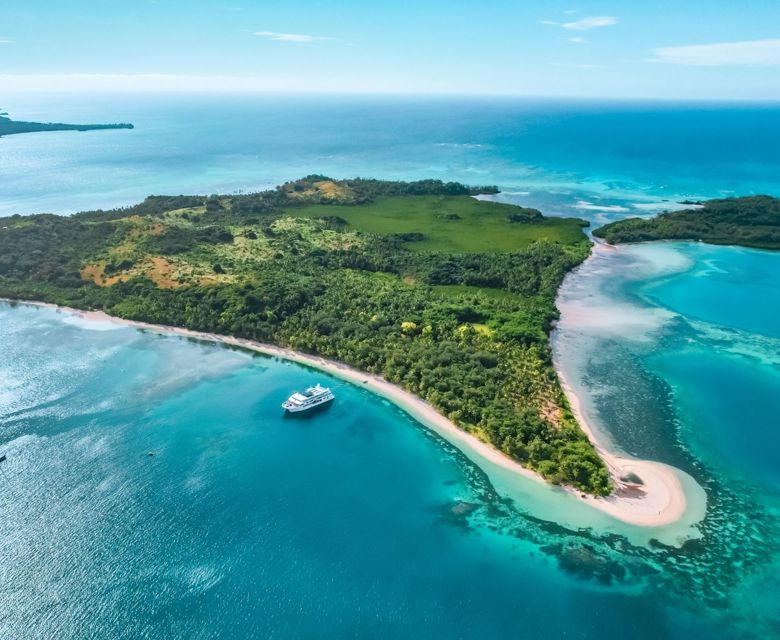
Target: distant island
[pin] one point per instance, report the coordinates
(446, 296)
(9, 127)
(752, 221)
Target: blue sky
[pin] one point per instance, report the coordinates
(649, 49)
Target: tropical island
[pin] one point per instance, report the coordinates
(446, 296)
(752, 221)
(10, 127)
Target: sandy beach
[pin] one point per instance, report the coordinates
(659, 501)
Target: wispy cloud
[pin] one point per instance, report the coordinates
(5, 41)
(750, 52)
(578, 40)
(593, 22)
(585, 24)
(290, 37)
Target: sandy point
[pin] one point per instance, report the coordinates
(662, 496)
(647, 493)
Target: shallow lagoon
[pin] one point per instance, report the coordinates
(672, 370)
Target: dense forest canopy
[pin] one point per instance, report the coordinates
(447, 296)
(752, 221)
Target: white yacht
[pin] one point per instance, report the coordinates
(315, 396)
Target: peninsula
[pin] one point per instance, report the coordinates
(446, 296)
(10, 127)
(440, 302)
(752, 221)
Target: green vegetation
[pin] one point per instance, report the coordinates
(398, 279)
(750, 222)
(452, 223)
(8, 126)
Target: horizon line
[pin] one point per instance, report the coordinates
(172, 84)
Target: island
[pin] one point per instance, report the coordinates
(10, 127)
(441, 294)
(752, 221)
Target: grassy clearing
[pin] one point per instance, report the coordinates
(458, 224)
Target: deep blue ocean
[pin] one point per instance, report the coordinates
(360, 523)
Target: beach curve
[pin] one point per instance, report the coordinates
(661, 502)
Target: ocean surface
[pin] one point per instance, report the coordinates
(588, 158)
(359, 522)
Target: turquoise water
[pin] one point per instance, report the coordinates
(675, 348)
(732, 288)
(361, 523)
(727, 379)
(356, 523)
(729, 406)
(594, 159)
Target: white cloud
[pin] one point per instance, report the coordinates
(750, 52)
(578, 40)
(290, 37)
(592, 22)
(5, 41)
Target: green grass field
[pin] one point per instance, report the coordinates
(458, 224)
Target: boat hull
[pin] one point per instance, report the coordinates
(303, 411)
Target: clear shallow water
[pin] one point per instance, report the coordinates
(727, 379)
(357, 523)
(686, 370)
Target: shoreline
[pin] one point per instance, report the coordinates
(663, 500)
(660, 502)
(669, 493)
